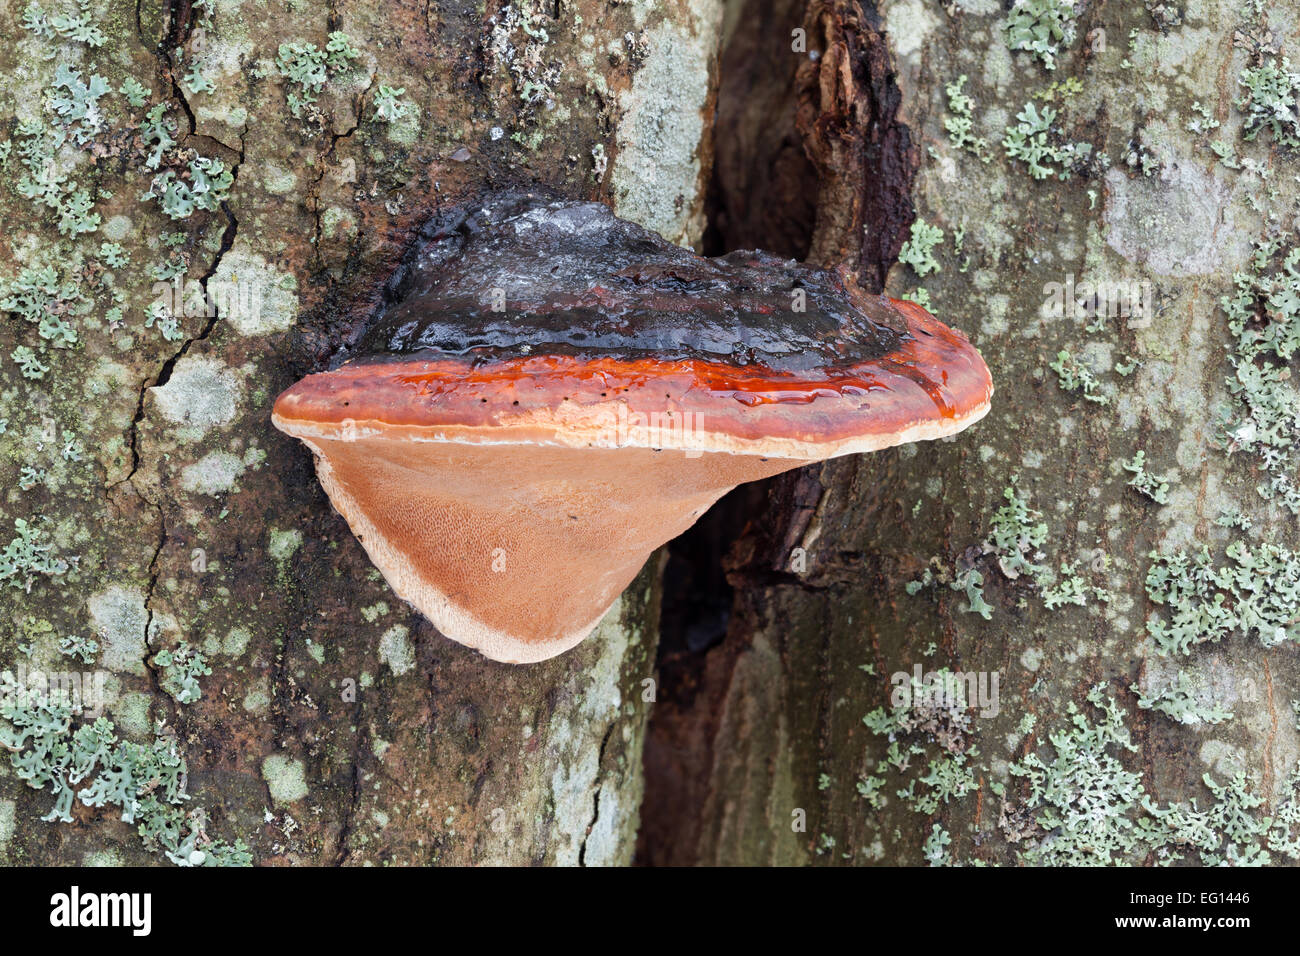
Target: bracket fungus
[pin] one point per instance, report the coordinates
(550, 393)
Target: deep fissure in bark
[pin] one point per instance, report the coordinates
(815, 167)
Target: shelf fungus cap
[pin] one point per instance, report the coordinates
(550, 393)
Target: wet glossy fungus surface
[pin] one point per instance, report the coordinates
(523, 276)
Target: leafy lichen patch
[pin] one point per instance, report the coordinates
(1193, 697)
(1041, 28)
(54, 746)
(1254, 593)
(1087, 808)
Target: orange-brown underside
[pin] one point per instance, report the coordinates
(518, 551)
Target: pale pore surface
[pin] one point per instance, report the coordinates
(518, 550)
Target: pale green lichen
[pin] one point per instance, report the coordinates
(308, 68)
(40, 296)
(1016, 536)
(283, 545)
(1234, 518)
(215, 473)
(947, 777)
(1203, 122)
(286, 779)
(206, 188)
(935, 848)
(29, 366)
(88, 763)
(135, 92)
(918, 250)
(78, 27)
(46, 180)
(29, 555)
(871, 789)
(960, 124)
(1128, 367)
(1183, 701)
(1271, 101)
(59, 287)
(1041, 28)
(1074, 375)
(1255, 592)
(181, 669)
(374, 611)
(660, 128)
(1264, 318)
(196, 82)
(1154, 487)
(158, 133)
(203, 393)
(1015, 539)
(1070, 587)
(113, 255)
(934, 709)
(920, 296)
(1064, 90)
(396, 651)
(1087, 809)
(1034, 142)
(77, 103)
(84, 649)
(389, 108)
(968, 580)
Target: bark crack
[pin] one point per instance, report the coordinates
(595, 800)
(227, 241)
